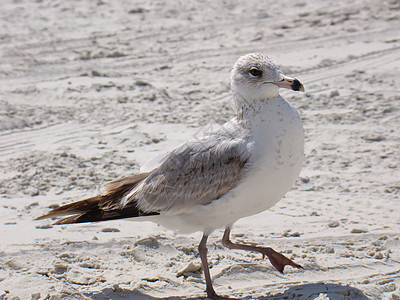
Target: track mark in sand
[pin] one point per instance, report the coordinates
(41, 138)
(364, 62)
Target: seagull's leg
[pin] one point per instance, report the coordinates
(203, 256)
(278, 260)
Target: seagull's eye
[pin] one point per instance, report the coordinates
(255, 72)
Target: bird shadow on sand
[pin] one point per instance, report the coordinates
(300, 292)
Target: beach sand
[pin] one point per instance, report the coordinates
(91, 90)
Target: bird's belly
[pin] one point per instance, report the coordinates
(265, 186)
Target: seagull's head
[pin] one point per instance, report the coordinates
(255, 76)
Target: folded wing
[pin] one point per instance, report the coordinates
(196, 173)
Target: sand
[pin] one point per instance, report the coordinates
(91, 90)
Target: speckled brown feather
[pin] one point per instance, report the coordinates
(102, 207)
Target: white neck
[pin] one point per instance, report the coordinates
(247, 110)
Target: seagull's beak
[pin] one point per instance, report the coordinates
(290, 83)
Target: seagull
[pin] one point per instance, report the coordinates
(240, 169)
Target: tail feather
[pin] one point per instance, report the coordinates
(72, 208)
(103, 207)
(126, 181)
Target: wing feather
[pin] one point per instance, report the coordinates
(196, 173)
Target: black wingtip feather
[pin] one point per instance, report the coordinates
(103, 207)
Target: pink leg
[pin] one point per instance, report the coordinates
(278, 260)
(203, 256)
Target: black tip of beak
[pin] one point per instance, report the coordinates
(297, 86)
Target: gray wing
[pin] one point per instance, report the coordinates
(197, 172)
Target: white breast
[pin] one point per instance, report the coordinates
(278, 144)
(277, 160)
